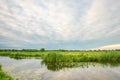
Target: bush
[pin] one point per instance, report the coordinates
(42, 49)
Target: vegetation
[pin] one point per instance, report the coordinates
(42, 49)
(100, 56)
(55, 66)
(67, 56)
(4, 76)
(58, 59)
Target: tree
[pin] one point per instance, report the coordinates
(42, 49)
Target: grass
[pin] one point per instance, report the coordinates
(83, 57)
(55, 60)
(4, 76)
(67, 56)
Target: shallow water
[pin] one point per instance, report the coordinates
(36, 69)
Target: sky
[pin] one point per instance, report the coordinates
(59, 24)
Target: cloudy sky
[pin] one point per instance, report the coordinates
(59, 24)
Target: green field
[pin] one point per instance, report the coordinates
(67, 56)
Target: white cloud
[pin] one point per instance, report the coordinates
(57, 17)
(44, 21)
(101, 19)
(110, 47)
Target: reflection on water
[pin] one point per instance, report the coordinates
(55, 66)
(38, 69)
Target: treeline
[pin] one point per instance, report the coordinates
(31, 50)
(61, 50)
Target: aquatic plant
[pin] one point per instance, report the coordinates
(4, 76)
(67, 56)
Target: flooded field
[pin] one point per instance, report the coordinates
(37, 69)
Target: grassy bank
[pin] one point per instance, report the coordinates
(100, 56)
(4, 76)
(67, 56)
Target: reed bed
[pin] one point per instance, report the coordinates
(68, 56)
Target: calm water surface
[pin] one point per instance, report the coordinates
(36, 69)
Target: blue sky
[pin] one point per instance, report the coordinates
(59, 24)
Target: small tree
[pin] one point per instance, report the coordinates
(42, 49)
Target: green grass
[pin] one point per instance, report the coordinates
(55, 60)
(67, 56)
(101, 56)
(4, 76)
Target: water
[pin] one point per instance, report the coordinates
(37, 69)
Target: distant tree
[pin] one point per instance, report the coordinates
(117, 50)
(63, 50)
(42, 49)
